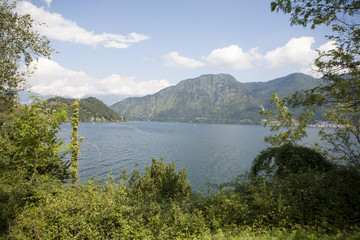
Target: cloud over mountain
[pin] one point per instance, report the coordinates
(234, 57)
(297, 52)
(52, 78)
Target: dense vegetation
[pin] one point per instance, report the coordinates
(90, 109)
(159, 204)
(291, 191)
(213, 99)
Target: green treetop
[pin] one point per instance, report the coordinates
(340, 90)
(19, 44)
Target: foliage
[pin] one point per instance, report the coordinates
(334, 13)
(340, 91)
(287, 160)
(299, 204)
(75, 144)
(160, 181)
(33, 145)
(326, 201)
(19, 44)
(279, 234)
(107, 210)
(284, 119)
(30, 159)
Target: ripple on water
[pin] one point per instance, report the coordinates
(208, 152)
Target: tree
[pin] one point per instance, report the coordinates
(34, 147)
(31, 158)
(19, 44)
(282, 118)
(340, 90)
(286, 160)
(160, 181)
(75, 144)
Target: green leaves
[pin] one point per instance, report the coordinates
(36, 148)
(281, 118)
(280, 162)
(160, 181)
(340, 91)
(19, 43)
(31, 158)
(75, 144)
(316, 13)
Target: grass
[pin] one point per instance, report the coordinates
(277, 234)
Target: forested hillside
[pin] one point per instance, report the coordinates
(91, 109)
(212, 98)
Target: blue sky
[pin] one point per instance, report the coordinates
(137, 47)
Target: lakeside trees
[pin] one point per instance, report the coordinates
(31, 156)
(340, 67)
(304, 179)
(19, 44)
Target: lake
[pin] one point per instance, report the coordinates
(214, 153)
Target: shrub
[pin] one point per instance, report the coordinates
(288, 159)
(160, 181)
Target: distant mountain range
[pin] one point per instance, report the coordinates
(212, 99)
(108, 99)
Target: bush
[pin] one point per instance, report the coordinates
(328, 200)
(160, 181)
(288, 159)
(31, 164)
(317, 200)
(105, 211)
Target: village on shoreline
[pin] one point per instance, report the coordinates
(317, 124)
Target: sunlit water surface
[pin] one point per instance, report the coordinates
(214, 153)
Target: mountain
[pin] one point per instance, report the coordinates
(108, 99)
(90, 109)
(211, 98)
(282, 86)
(25, 97)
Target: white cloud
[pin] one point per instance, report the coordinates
(311, 69)
(296, 52)
(59, 28)
(234, 57)
(52, 78)
(116, 84)
(48, 2)
(173, 59)
(331, 45)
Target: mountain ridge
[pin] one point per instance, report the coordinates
(91, 109)
(212, 98)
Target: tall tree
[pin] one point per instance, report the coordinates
(32, 143)
(340, 90)
(75, 144)
(19, 44)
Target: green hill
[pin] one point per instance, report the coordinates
(282, 86)
(212, 99)
(90, 109)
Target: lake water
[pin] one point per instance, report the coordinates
(213, 153)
